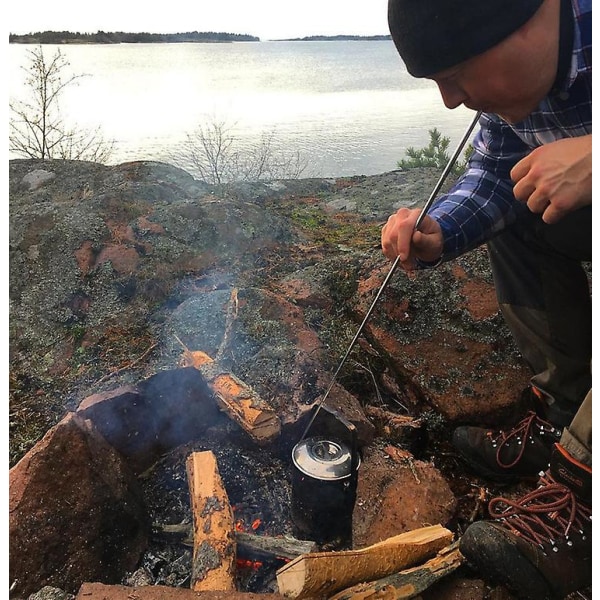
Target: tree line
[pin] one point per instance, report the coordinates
(119, 37)
(340, 38)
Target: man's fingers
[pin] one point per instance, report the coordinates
(552, 214)
(523, 190)
(388, 250)
(520, 170)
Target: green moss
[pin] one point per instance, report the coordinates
(308, 218)
(335, 230)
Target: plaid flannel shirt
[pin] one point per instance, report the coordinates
(481, 204)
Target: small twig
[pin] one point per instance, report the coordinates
(232, 313)
(478, 504)
(411, 465)
(128, 365)
(182, 344)
(402, 406)
(370, 372)
(403, 457)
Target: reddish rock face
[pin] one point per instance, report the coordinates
(396, 494)
(98, 591)
(75, 514)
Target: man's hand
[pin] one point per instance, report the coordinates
(555, 179)
(399, 238)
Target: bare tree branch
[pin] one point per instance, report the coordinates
(216, 155)
(37, 129)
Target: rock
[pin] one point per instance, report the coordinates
(445, 341)
(268, 336)
(98, 248)
(101, 256)
(75, 512)
(98, 591)
(397, 493)
(51, 593)
(112, 268)
(162, 412)
(36, 179)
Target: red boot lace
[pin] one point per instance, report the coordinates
(545, 515)
(521, 431)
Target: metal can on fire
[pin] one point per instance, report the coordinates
(324, 479)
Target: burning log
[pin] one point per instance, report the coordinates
(325, 573)
(280, 547)
(214, 554)
(234, 397)
(285, 547)
(408, 583)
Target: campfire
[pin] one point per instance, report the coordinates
(230, 502)
(236, 502)
(239, 547)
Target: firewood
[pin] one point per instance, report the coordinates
(237, 399)
(178, 533)
(242, 404)
(408, 583)
(214, 554)
(322, 574)
(283, 547)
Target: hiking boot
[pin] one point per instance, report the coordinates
(540, 546)
(505, 456)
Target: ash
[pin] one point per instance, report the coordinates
(258, 484)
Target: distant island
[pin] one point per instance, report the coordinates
(337, 38)
(119, 37)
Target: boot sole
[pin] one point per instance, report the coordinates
(503, 562)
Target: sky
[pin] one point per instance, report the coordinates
(266, 19)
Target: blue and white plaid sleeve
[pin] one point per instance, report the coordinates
(481, 203)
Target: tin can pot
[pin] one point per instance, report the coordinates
(324, 479)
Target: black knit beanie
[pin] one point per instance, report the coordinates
(433, 35)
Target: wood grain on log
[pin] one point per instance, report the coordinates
(235, 398)
(325, 573)
(214, 554)
(408, 583)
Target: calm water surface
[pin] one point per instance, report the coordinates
(348, 107)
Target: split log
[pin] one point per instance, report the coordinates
(179, 533)
(408, 583)
(242, 404)
(325, 573)
(247, 543)
(214, 554)
(277, 547)
(236, 398)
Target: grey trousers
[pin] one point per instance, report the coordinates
(577, 437)
(544, 295)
